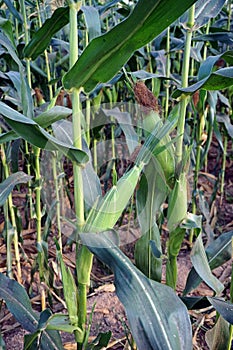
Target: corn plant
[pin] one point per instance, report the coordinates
(157, 317)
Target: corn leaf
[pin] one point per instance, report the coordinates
(218, 252)
(92, 20)
(105, 55)
(204, 11)
(42, 37)
(177, 205)
(7, 185)
(217, 338)
(107, 210)
(6, 27)
(223, 307)
(8, 136)
(63, 130)
(70, 292)
(61, 322)
(149, 198)
(37, 136)
(125, 122)
(158, 319)
(44, 119)
(201, 265)
(221, 79)
(209, 80)
(208, 65)
(222, 37)
(13, 10)
(52, 115)
(19, 305)
(19, 79)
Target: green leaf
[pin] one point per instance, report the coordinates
(8, 137)
(21, 85)
(61, 322)
(6, 26)
(208, 65)
(2, 343)
(42, 37)
(227, 122)
(201, 265)
(204, 11)
(31, 341)
(207, 78)
(221, 79)
(70, 292)
(223, 307)
(158, 319)
(177, 205)
(18, 303)
(37, 136)
(108, 209)
(63, 130)
(44, 316)
(149, 198)
(195, 302)
(224, 37)
(176, 238)
(7, 185)
(5, 42)
(217, 338)
(13, 10)
(106, 55)
(217, 254)
(100, 342)
(54, 114)
(125, 122)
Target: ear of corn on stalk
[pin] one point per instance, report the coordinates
(151, 118)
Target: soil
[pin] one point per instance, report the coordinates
(109, 313)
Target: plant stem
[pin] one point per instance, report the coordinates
(13, 221)
(28, 70)
(225, 142)
(76, 112)
(83, 257)
(46, 55)
(185, 75)
(168, 66)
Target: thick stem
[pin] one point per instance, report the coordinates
(185, 75)
(83, 258)
(168, 66)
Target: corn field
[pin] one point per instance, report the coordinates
(116, 156)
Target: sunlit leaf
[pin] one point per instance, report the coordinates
(105, 55)
(42, 37)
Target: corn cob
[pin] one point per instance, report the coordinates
(151, 118)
